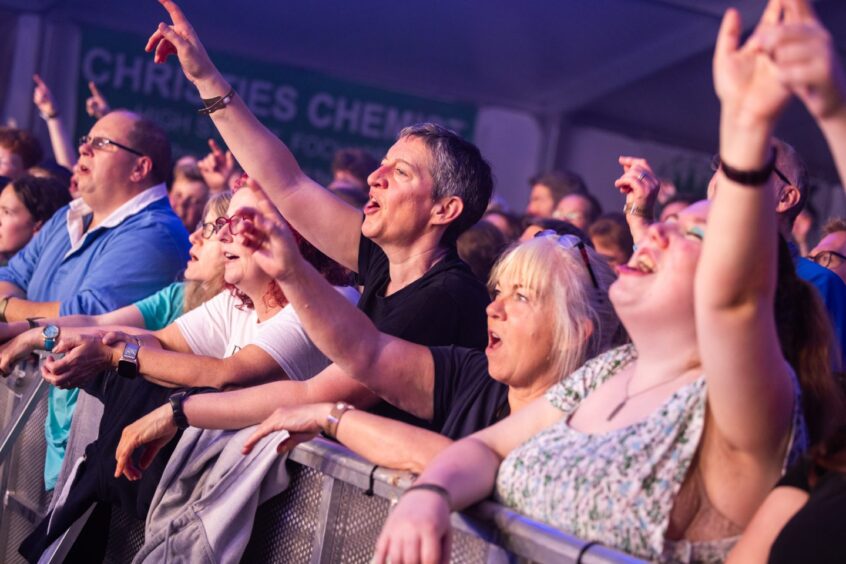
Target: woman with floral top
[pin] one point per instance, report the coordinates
(664, 448)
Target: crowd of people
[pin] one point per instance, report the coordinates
(664, 380)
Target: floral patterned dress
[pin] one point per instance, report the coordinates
(616, 488)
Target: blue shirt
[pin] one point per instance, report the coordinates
(119, 262)
(832, 291)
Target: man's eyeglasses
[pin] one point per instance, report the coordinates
(716, 163)
(99, 143)
(569, 241)
(827, 258)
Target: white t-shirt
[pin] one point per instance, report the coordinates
(219, 328)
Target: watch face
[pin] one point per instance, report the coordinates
(50, 332)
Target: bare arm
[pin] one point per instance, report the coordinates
(383, 441)
(63, 148)
(401, 372)
(19, 309)
(750, 395)
(757, 540)
(323, 219)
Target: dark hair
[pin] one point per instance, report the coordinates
(791, 165)
(150, 139)
(51, 169)
(514, 221)
(23, 144)
(458, 169)
(357, 162)
(594, 207)
(41, 196)
(807, 341)
(480, 247)
(558, 225)
(613, 230)
(561, 183)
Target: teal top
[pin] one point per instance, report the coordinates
(162, 308)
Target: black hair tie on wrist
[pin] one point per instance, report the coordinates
(749, 177)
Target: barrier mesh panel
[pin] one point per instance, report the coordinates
(26, 483)
(286, 525)
(467, 549)
(353, 531)
(126, 537)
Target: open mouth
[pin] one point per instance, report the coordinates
(230, 256)
(493, 340)
(371, 206)
(642, 264)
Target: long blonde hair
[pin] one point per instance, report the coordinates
(583, 319)
(198, 292)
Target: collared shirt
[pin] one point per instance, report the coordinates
(140, 248)
(79, 213)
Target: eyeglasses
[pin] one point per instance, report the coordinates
(569, 241)
(235, 223)
(99, 143)
(825, 258)
(209, 229)
(716, 163)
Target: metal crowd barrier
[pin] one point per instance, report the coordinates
(332, 511)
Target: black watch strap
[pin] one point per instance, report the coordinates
(176, 400)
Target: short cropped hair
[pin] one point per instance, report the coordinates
(23, 144)
(789, 163)
(583, 319)
(458, 169)
(41, 196)
(613, 230)
(561, 183)
(834, 225)
(150, 139)
(357, 162)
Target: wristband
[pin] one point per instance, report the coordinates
(216, 103)
(750, 177)
(334, 418)
(637, 211)
(45, 116)
(434, 488)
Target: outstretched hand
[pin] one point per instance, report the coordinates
(43, 98)
(96, 105)
(217, 167)
(266, 232)
(806, 59)
(180, 39)
(638, 182)
(745, 76)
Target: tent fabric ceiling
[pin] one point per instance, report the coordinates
(641, 67)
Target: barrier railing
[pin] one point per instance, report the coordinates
(332, 511)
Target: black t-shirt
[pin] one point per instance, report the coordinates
(816, 532)
(466, 398)
(445, 306)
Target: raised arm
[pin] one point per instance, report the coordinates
(640, 186)
(807, 62)
(63, 148)
(401, 372)
(326, 221)
(750, 395)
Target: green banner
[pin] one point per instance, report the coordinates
(312, 113)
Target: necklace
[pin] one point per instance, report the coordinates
(627, 397)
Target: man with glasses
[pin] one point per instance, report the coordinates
(116, 244)
(830, 252)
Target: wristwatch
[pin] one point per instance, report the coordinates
(176, 401)
(50, 334)
(128, 363)
(334, 418)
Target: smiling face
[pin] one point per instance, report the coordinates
(17, 225)
(401, 189)
(240, 269)
(658, 278)
(206, 262)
